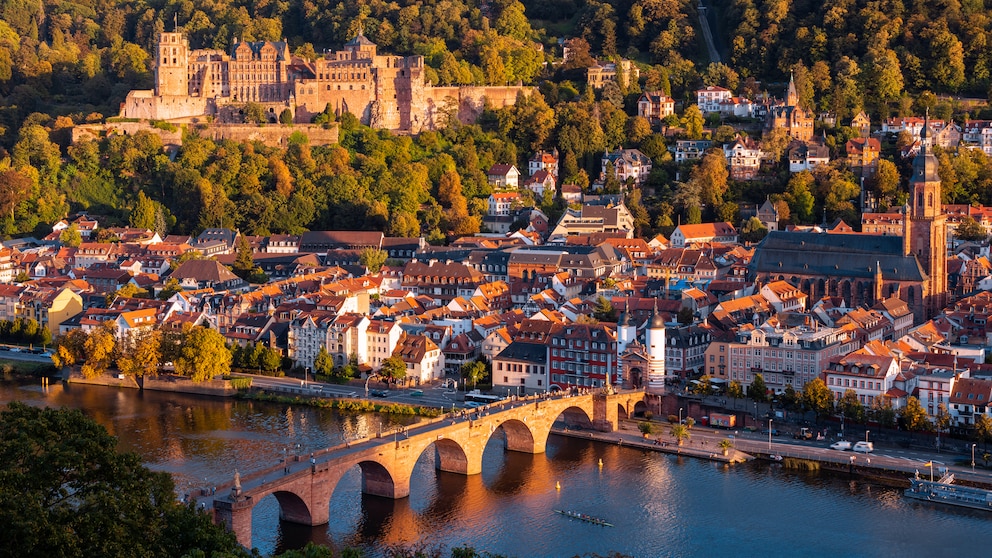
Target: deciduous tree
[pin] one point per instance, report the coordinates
(914, 416)
(66, 490)
(202, 354)
(817, 397)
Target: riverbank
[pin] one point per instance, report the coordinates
(622, 438)
(351, 405)
(168, 383)
(880, 469)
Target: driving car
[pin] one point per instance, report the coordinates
(864, 447)
(378, 393)
(841, 445)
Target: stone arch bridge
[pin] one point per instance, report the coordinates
(303, 488)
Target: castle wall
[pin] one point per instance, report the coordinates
(275, 135)
(471, 99)
(144, 104)
(271, 135)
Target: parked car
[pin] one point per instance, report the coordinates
(803, 434)
(841, 445)
(774, 432)
(864, 447)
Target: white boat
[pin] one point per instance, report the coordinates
(945, 492)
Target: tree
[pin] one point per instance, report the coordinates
(323, 365)
(604, 310)
(800, 198)
(393, 368)
(66, 490)
(69, 349)
(881, 407)
(913, 416)
(970, 229)
(680, 432)
(735, 390)
(704, 387)
(202, 354)
(243, 261)
(754, 230)
(885, 182)
(142, 215)
(851, 407)
(646, 428)
(473, 372)
(757, 390)
(286, 116)
(709, 178)
(373, 259)
(15, 188)
(71, 236)
(790, 398)
(983, 428)
(170, 288)
(254, 113)
(141, 354)
(692, 121)
(685, 315)
(99, 349)
(817, 397)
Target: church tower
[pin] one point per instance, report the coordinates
(654, 339)
(172, 65)
(791, 96)
(925, 230)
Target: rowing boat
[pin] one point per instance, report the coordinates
(584, 517)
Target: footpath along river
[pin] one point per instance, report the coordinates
(661, 505)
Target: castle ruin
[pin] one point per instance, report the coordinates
(381, 91)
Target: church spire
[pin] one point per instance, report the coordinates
(791, 97)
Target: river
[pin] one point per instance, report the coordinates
(662, 505)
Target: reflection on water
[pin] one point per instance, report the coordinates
(661, 505)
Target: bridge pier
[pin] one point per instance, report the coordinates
(236, 516)
(606, 416)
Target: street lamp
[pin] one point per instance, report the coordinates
(867, 432)
(973, 458)
(680, 415)
(306, 374)
(769, 435)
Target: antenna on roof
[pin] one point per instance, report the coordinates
(175, 27)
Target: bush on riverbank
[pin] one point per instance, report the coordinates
(11, 368)
(801, 464)
(346, 405)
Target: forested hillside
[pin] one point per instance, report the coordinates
(869, 47)
(67, 62)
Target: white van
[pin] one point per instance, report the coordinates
(841, 445)
(864, 447)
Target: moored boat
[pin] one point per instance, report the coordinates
(584, 517)
(945, 492)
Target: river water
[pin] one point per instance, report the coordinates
(661, 505)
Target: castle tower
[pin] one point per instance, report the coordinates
(925, 230)
(172, 65)
(654, 339)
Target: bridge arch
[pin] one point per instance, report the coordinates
(293, 507)
(451, 456)
(377, 480)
